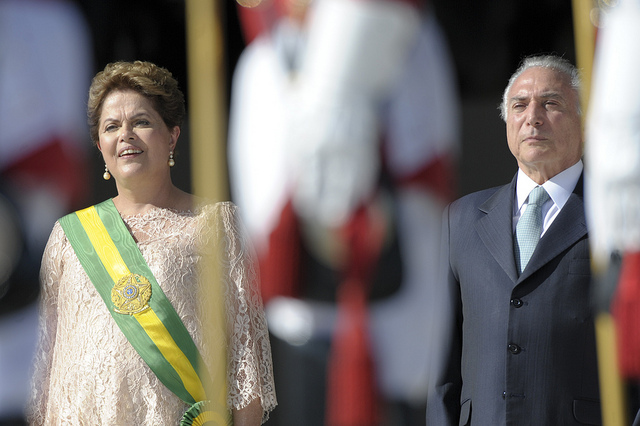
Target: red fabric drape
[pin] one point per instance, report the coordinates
(280, 266)
(352, 397)
(437, 176)
(626, 313)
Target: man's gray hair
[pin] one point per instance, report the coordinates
(544, 61)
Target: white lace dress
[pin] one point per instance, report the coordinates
(85, 370)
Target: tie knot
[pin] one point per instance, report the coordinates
(538, 196)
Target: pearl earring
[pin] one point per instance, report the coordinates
(171, 161)
(106, 175)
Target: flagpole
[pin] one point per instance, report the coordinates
(207, 129)
(206, 100)
(585, 42)
(612, 393)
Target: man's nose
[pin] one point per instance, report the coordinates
(534, 114)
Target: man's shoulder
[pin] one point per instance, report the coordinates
(477, 198)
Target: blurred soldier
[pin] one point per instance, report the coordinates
(343, 132)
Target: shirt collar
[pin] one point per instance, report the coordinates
(559, 187)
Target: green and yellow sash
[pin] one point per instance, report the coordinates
(113, 262)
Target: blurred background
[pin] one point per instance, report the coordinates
(486, 39)
(50, 49)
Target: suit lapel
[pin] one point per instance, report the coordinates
(566, 229)
(491, 228)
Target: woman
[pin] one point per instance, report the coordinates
(91, 367)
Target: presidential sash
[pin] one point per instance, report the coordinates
(117, 269)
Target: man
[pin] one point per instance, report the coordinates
(519, 344)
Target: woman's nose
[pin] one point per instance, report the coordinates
(126, 133)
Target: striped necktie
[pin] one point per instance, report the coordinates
(529, 227)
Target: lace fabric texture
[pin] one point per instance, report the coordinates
(85, 370)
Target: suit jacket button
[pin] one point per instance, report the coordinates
(517, 303)
(514, 349)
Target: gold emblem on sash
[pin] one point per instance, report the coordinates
(131, 294)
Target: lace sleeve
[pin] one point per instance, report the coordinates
(50, 272)
(249, 369)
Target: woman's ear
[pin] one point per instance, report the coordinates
(175, 134)
(98, 146)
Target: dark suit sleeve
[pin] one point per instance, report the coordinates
(443, 406)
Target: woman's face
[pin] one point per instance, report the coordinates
(134, 140)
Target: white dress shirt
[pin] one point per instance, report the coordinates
(558, 187)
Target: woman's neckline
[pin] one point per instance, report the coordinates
(185, 203)
(156, 211)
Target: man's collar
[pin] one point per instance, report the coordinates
(558, 187)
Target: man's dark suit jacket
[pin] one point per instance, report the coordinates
(523, 348)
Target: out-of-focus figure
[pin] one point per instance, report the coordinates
(45, 68)
(613, 182)
(342, 139)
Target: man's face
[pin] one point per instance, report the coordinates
(543, 126)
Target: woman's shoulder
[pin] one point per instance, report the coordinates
(57, 245)
(217, 209)
(57, 232)
(222, 217)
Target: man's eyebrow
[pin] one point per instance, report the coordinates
(551, 95)
(544, 95)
